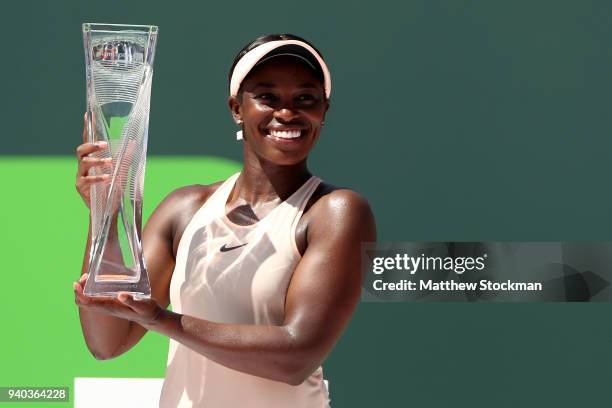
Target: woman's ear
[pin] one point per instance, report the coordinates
(326, 109)
(234, 106)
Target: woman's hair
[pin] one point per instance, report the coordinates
(262, 40)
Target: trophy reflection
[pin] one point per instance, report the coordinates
(119, 70)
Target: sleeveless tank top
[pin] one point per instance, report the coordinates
(229, 273)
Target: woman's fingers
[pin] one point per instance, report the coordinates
(91, 156)
(104, 304)
(86, 181)
(88, 148)
(147, 309)
(124, 305)
(88, 162)
(98, 302)
(79, 297)
(128, 299)
(78, 288)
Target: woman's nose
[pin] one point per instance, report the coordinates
(285, 114)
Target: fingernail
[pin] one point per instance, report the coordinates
(102, 144)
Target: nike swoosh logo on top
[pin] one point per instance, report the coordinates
(225, 248)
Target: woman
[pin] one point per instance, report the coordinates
(263, 269)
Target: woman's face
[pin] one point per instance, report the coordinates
(282, 107)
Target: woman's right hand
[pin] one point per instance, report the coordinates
(86, 155)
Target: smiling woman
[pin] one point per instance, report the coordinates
(263, 269)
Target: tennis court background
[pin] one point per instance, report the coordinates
(458, 120)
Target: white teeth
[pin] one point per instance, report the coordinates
(285, 134)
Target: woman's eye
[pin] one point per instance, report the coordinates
(306, 97)
(265, 96)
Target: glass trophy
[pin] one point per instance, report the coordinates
(119, 70)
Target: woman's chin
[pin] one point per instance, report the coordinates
(283, 158)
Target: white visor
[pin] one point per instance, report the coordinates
(253, 57)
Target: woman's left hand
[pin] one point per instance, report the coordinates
(142, 311)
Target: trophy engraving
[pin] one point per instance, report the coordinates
(119, 71)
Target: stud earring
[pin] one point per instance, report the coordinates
(239, 133)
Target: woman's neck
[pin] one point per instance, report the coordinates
(263, 182)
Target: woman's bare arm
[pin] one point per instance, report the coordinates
(109, 336)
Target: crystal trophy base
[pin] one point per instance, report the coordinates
(120, 280)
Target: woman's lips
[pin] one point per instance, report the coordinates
(286, 136)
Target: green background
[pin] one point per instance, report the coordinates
(458, 120)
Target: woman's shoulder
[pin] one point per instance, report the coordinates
(191, 195)
(336, 202)
(334, 211)
(181, 204)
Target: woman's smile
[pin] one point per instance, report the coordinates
(286, 140)
(285, 134)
